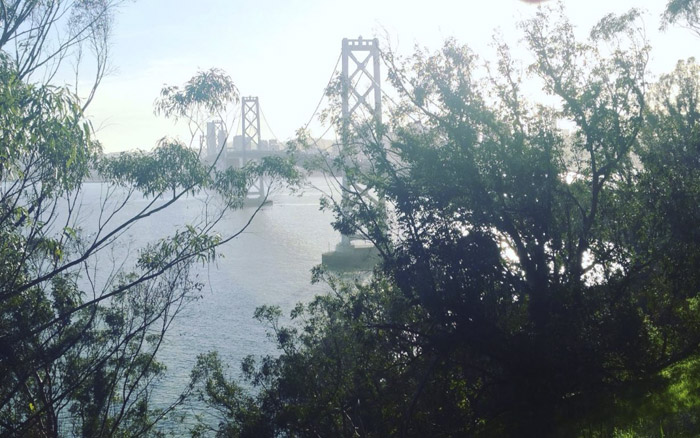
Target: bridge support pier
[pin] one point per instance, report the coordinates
(351, 258)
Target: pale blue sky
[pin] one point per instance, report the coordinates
(284, 51)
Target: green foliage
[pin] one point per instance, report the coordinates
(684, 12)
(339, 373)
(536, 281)
(170, 166)
(209, 91)
(235, 412)
(80, 331)
(44, 136)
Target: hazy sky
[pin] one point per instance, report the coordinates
(284, 50)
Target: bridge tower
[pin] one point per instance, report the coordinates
(250, 133)
(361, 84)
(361, 96)
(361, 90)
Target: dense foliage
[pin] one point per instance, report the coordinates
(539, 271)
(83, 314)
(683, 12)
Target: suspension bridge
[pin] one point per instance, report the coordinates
(361, 99)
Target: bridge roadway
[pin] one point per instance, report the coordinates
(237, 158)
(253, 154)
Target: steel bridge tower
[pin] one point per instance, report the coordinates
(361, 99)
(361, 84)
(361, 91)
(250, 133)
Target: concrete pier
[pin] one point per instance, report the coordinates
(348, 257)
(255, 203)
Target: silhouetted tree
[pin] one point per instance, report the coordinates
(536, 281)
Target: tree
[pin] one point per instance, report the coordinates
(683, 12)
(536, 281)
(81, 323)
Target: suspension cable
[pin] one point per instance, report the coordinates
(324, 93)
(268, 125)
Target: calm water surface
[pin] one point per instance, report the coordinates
(269, 263)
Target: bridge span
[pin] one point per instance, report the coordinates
(360, 95)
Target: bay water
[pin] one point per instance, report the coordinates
(268, 264)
